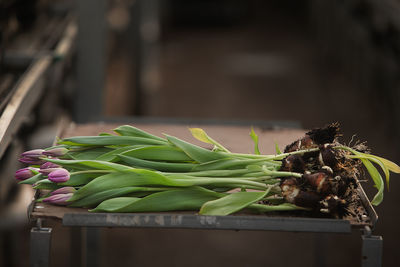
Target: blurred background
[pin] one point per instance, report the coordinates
(303, 63)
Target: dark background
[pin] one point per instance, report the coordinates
(312, 62)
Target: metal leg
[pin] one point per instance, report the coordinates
(40, 246)
(371, 249)
(85, 246)
(76, 257)
(320, 242)
(8, 250)
(92, 247)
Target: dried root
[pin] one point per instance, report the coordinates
(329, 176)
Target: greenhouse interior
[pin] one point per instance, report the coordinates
(199, 133)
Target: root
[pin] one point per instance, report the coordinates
(329, 176)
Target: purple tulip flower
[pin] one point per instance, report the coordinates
(48, 170)
(59, 199)
(25, 173)
(55, 152)
(31, 161)
(59, 175)
(49, 165)
(63, 190)
(35, 153)
(32, 157)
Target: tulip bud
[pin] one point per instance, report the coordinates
(48, 170)
(35, 153)
(56, 152)
(25, 173)
(59, 199)
(59, 175)
(48, 165)
(63, 190)
(31, 161)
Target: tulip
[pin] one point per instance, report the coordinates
(63, 190)
(31, 161)
(48, 170)
(59, 199)
(59, 175)
(32, 157)
(25, 173)
(34, 154)
(48, 165)
(56, 152)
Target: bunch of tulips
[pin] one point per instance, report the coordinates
(135, 171)
(55, 173)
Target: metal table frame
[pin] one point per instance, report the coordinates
(41, 237)
(91, 222)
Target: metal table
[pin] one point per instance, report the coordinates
(229, 136)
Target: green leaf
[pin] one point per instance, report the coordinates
(232, 182)
(97, 198)
(140, 194)
(133, 178)
(231, 203)
(127, 130)
(278, 151)
(90, 154)
(280, 207)
(227, 163)
(384, 164)
(34, 179)
(393, 167)
(46, 184)
(112, 155)
(158, 153)
(377, 161)
(155, 165)
(105, 134)
(93, 164)
(196, 153)
(109, 141)
(56, 146)
(254, 136)
(115, 204)
(172, 200)
(218, 173)
(79, 178)
(254, 168)
(202, 136)
(377, 178)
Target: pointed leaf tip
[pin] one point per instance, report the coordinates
(254, 137)
(231, 203)
(202, 136)
(377, 178)
(278, 151)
